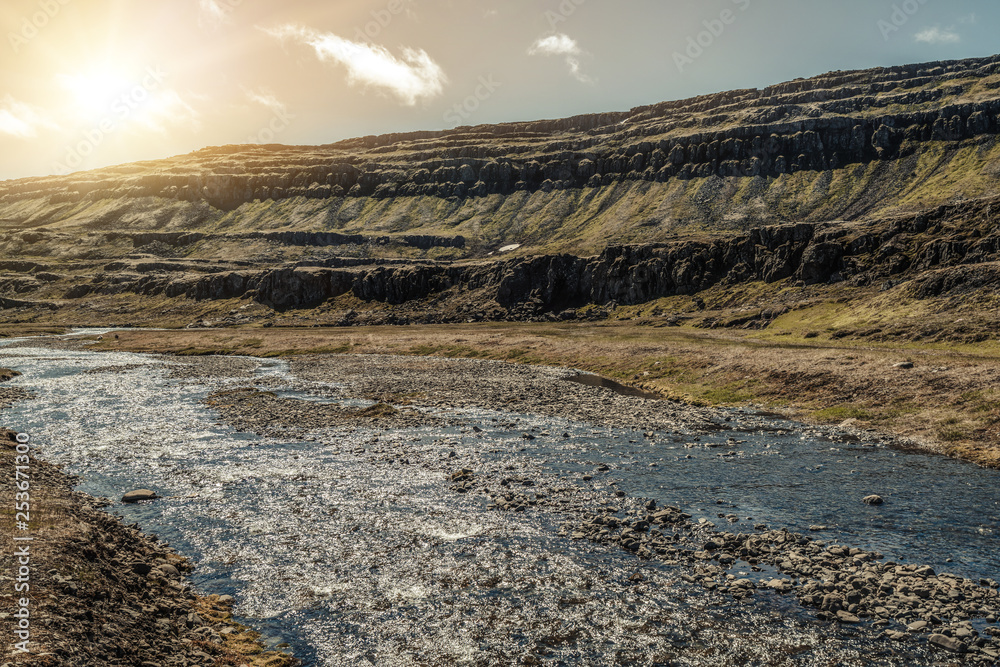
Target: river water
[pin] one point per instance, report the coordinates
(355, 559)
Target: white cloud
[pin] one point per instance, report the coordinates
(21, 120)
(938, 35)
(968, 19)
(267, 99)
(555, 45)
(561, 45)
(410, 78)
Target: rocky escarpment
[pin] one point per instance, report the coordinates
(316, 239)
(866, 179)
(940, 251)
(839, 145)
(818, 124)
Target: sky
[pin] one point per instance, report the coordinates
(91, 83)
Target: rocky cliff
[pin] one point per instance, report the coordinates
(845, 144)
(858, 178)
(945, 251)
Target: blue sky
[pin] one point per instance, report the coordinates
(89, 83)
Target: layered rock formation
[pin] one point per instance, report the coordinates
(856, 177)
(941, 251)
(750, 138)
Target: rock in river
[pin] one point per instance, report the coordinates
(872, 500)
(948, 643)
(139, 494)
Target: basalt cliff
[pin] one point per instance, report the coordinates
(880, 182)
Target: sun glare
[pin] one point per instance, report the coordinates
(94, 92)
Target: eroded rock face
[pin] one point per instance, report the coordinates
(954, 246)
(398, 203)
(823, 123)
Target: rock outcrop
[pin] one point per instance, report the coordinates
(827, 123)
(943, 247)
(852, 177)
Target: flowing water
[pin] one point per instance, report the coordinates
(354, 559)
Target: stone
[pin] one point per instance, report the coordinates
(917, 626)
(139, 495)
(780, 585)
(169, 570)
(903, 365)
(873, 500)
(847, 617)
(142, 569)
(948, 643)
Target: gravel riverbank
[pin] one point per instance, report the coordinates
(103, 593)
(842, 585)
(839, 603)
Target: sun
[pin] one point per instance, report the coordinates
(95, 90)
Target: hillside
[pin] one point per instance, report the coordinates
(850, 178)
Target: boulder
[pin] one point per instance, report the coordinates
(948, 643)
(872, 500)
(142, 569)
(169, 570)
(138, 495)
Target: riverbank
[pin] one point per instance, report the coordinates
(519, 467)
(905, 604)
(103, 593)
(943, 398)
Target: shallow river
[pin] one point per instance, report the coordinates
(355, 559)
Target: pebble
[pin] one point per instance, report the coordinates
(844, 584)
